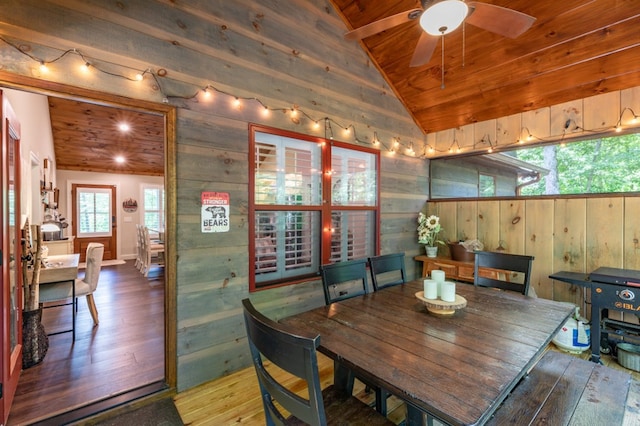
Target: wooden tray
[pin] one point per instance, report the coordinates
(440, 307)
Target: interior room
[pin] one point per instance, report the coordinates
(307, 133)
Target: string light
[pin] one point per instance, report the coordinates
(207, 92)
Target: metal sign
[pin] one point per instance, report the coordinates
(215, 211)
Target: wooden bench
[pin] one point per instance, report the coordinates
(565, 390)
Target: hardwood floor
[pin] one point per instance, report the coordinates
(235, 399)
(124, 352)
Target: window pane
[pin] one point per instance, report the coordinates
(353, 235)
(153, 207)
(287, 171)
(94, 212)
(353, 178)
(287, 244)
(487, 186)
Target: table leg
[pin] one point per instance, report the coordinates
(342, 377)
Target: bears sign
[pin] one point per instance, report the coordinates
(215, 211)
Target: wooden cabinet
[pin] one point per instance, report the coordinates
(457, 270)
(59, 246)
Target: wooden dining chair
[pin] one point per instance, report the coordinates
(503, 270)
(295, 352)
(139, 247)
(387, 270)
(344, 280)
(150, 250)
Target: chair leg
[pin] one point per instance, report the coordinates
(92, 308)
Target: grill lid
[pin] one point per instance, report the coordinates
(616, 276)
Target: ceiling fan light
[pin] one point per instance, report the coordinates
(444, 17)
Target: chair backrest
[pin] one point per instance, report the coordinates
(344, 280)
(387, 270)
(506, 271)
(95, 251)
(292, 352)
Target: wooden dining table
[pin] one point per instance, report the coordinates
(457, 368)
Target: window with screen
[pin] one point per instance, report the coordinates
(314, 202)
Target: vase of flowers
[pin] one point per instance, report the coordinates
(428, 230)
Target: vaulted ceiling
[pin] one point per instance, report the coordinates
(574, 49)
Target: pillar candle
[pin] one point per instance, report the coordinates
(437, 275)
(430, 289)
(448, 291)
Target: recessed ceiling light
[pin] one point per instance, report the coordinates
(124, 127)
(120, 159)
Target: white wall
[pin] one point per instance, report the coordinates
(127, 186)
(36, 144)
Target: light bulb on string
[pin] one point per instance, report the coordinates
(316, 125)
(43, 67)
(236, 102)
(265, 111)
(85, 67)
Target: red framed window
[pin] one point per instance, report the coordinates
(313, 201)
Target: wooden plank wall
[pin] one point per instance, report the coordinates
(284, 54)
(577, 234)
(589, 117)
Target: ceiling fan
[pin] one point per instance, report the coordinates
(440, 17)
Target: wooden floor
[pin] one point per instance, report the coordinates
(235, 399)
(125, 351)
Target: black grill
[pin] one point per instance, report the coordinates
(611, 289)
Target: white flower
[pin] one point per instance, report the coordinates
(428, 229)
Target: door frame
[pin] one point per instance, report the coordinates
(10, 360)
(48, 88)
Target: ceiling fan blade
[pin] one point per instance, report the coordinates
(382, 24)
(424, 50)
(497, 19)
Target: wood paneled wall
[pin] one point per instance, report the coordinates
(577, 234)
(589, 117)
(285, 54)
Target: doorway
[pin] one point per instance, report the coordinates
(169, 290)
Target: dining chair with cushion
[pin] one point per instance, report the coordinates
(387, 270)
(344, 280)
(83, 286)
(294, 351)
(503, 270)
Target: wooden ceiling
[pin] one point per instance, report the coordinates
(575, 49)
(87, 138)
